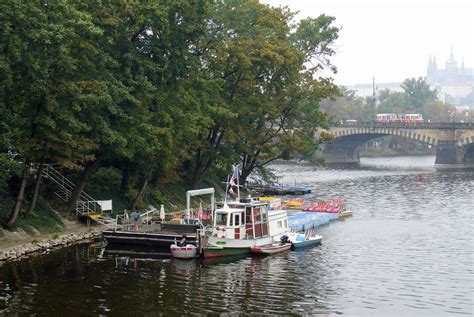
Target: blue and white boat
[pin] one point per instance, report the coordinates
(306, 239)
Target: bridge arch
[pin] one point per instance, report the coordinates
(468, 157)
(454, 142)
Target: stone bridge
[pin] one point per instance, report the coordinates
(454, 142)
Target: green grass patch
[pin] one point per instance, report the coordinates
(43, 221)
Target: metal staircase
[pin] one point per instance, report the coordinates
(85, 205)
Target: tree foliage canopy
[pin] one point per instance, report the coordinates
(161, 90)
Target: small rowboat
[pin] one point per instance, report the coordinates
(183, 250)
(273, 248)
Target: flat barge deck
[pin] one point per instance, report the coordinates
(158, 236)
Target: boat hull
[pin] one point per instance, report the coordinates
(214, 252)
(218, 247)
(306, 243)
(185, 252)
(271, 248)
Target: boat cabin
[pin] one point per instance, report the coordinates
(249, 218)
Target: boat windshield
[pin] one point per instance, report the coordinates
(221, 219)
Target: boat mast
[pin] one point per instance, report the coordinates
(236, 169)
(226, 189)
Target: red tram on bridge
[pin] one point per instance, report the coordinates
(404, 118)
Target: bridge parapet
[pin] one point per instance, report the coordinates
(424, 125)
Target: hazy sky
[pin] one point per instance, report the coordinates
(392, 40)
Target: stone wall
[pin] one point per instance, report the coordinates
(35, 248)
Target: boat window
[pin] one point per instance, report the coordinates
(285, 222)
(221, 219)
(256, 213)
(231, 220)
(248, 212)
(237, 219)
(279, 224)
(242, 217)
(264, 215)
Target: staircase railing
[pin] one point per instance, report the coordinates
(85, 203)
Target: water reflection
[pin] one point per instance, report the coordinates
(407, 250)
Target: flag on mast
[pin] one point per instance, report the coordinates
(234, 182)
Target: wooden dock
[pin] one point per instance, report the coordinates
(161, 235)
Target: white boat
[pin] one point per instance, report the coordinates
(183, 250)
(242, 224)
(306, 239)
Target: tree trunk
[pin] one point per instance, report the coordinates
(125, 182)
(76, 193)
(142, 189)
(36, 191)
(19, 199)
(204, 159)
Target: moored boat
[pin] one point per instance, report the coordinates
(242, 224)
(307, 239)
(273, 248)
(183, 250)
(294, 203)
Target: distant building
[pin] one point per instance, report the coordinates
(454, 84)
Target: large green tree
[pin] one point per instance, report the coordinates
(264, 74)
(50, 51)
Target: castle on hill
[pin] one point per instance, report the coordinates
(455, 85)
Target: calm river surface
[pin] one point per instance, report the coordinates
(408, 250)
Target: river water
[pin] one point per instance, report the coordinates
(408, 250)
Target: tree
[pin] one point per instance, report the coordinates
(50, 53)
(395, 102)
(437, 111)
(282, 116)
(418, 93)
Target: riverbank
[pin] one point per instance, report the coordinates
(16, 245)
